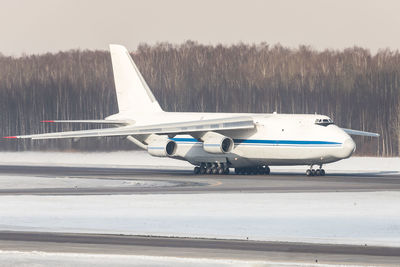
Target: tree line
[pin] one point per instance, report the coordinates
(356, 89)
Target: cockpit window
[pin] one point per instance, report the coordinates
(323, 122)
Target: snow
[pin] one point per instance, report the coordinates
(371, 218)
(29, 182)
(92, 159)
(35, 258)
(136, 159)
(359, 218)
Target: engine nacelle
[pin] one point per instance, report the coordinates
(162, 148)
(217, 143)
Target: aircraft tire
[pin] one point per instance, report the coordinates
(196, 170)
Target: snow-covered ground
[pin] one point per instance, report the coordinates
(16, 258)
(18, 182)
(371, 218)
(94, 159)
(135, 159)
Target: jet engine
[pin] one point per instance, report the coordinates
(162, 148)
(217, 143)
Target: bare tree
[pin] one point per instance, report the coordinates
(355, 88)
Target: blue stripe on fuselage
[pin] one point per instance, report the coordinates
(267, 142)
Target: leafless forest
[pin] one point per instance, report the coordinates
(357, 89)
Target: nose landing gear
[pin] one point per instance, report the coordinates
(317, 172)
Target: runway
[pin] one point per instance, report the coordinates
(188, 183)
(192, 247)
(185, 182)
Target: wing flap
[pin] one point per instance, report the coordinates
(233, 123)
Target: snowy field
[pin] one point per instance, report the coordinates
(371, 218)
(135, 159)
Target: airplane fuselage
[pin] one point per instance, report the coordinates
(277, 139)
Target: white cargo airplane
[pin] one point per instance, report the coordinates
(215, 142)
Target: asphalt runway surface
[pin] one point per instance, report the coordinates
(184, 181)
(199, 248)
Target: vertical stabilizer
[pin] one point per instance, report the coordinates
(133, 94)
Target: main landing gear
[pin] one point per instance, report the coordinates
(317, 172)
(222, 168)
(253, 170)
(211, 168)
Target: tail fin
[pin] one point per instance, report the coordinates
(133, 94)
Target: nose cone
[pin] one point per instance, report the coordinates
(348, 147)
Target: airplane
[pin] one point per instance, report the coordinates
(214, 142)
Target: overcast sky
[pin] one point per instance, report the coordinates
(38, 26)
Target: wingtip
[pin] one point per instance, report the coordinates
(10, 137)
(47, 121)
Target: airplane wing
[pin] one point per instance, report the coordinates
(122, 122)
(232, 123)
(362, 133)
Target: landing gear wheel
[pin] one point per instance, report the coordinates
(196, 170)
(309, 173)
(208, 170)
(220, 170)
(322, 172)
(267, 170)
(317, 172)
(202, 170)
(226, 171)
(214, 170)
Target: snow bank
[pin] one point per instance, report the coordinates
(371, 218)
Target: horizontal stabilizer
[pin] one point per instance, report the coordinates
(232, 123)
(361, 133)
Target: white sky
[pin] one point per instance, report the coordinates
(38, 26)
